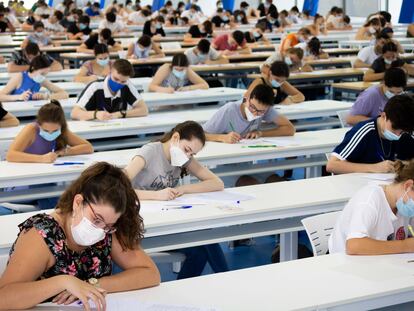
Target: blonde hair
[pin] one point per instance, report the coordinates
(404, 170)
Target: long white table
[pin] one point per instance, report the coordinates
(330, 282)
(62, 75)
(276, 209)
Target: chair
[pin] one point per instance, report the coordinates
(4, 147)
(319, 228)
(3, 262)
(175, 258)
(342, 114)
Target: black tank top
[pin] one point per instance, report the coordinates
(280, 95)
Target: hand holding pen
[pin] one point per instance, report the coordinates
(232, 137)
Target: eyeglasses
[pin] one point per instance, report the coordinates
(99, 223)
(253, 109)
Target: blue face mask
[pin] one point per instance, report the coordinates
(275, 84)
(406, 209)
(103, 62)
(288, 61)
(39, 78)
(82, 26)
(114, 86)
(179, 74)
(158, 26)
(389, 94)
(390, 135)
(49, 136)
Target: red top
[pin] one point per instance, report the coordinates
(221, 43)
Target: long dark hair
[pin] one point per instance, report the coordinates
(39, 62)
(105, 183)
(53, 112)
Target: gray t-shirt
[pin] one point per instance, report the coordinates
(158, 173)
(197, 59)
(230, 115)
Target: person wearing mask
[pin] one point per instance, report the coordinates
(39, 36)
(231, 43)
(257, 34)
(312, 50)
(202, 30)
(294, 15)
(292, 57)
(276, 78)
(283, 19)
(42, 9)
(98, 68)
(203, 53)
(377, 219)
(367, 55)
(335, 20)
(369, 30)
(80, 30)
(193, 14)
(143, 47)
(96, 224)
(112, 98)
(292, 39)
(5, 24)
(318, 26)
(52, 24)
(153, 27)
(93, 10)
(243, 119)
(371, 102)
(104, 37)
(267, 8)
(26, 85)
(373, 145)
(238, 18)
(113, 23)
(139, 17)
(20, 60)
(7, 119)
(155, 172)
(176, 77)
(221, 19)
(388, 59)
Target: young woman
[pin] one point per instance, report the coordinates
(312, 50)
(142, 48)
(368, 31)
(104, 37)
(203, 30)
(100, 67)
(155, 173)
(256, 35)
(377, 219)
(7, 119)
(318, 27)
(47, 138)
(96, 222)
(284, 92)
(153, 27)
(26, 85)
(177, 76)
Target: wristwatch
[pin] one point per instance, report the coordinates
(123, 113)
(94, 114)
(94, 282)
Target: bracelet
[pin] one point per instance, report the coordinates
(94, 114)
(123, 113)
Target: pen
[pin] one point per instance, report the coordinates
(411, 230)
(177, 207)
(232, 127)
(69, 163)
(409, 261)
(54, 146)
(260, 146)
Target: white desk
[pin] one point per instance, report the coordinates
(275, 210)
(62, 75)
(363, 43)
(331, 282)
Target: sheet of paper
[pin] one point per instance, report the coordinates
(380, 177)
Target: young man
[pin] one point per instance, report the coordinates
(372, 146)
(371, 102)
(39, 36)
(52, 24)
(105, 37)
(80, 29)
(292, 57)
(93, 10)
(20, 60)
(113, 23)
(203, 53)
(229, 44)
(367, 55)
(242, 119)
(115, 97)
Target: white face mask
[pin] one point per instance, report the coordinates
(249, 115)
(85, 233)
(178, 156)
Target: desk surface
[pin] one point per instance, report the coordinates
(327, 73)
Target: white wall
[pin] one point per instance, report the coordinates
(361, 8)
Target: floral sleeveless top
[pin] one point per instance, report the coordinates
(93, 262)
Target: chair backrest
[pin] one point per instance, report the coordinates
(3, 262)
(319, 228)
(342, 114)
(4, 146)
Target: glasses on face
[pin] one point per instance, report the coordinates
(253, 109)
(99, 223)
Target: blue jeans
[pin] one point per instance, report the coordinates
(198, 256)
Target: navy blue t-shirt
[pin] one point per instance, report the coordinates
(363, 144)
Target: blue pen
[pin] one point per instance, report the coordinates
(69, 163)
(177, 207)
(54, 146)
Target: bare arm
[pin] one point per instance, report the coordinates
(294, 95)
(56, 92)
(370, 76)
(197, 81)
(338, 166)
(9, 120)
(84, 49)
(79, 113)
(157, 50)
(56, 66)
(139, 109)
(77, 145)
(368, 246)
(160, 75)
(360, 64)
(83, 77)
(284, 128)
(12, 67)
(355, 119)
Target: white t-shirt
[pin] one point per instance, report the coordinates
(114, 27)
(197, 59)
(137, 18)
(367, 214)
(56, 27)
(337, 22)
(367, 54)
(196, 18)
(43, 11)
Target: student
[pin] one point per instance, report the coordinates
(284, 92)
(229, 44)
(193, 14)
(335, 19)
(367, 55)
(98, 68)
(203, 53)
(5, 24)
(283, 19)
(267, 8)
(104, 37)
(203, 30)
(27, 85)
(257, 34)
(239, 18)
(143, 47)
(113, 23)
(294, 15)
(39, 37)
(292, 57)
(139, 17)
(388, 59)
(20, 60)
(243, 119)
(410, 31)
(7, 119)
(155, 172)
(42, 9)
(94, 10)
(292, 39)
(96, 223)
(80, 30)
(312, 50)
(371, 146)
(371, 102)
(368, 30)
(377, 218)
(221, 18)
(47, 139)
(112, 98)
(52, 24)
(318, 26)
(250, 12)
(177, 76)
(153, 27)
